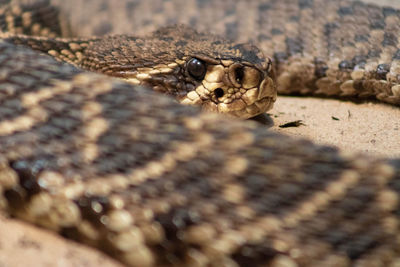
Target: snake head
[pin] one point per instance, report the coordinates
(195, 68)
(240, 86)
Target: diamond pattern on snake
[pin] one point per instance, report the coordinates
(113, 163)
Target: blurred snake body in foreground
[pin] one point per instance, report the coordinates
(155, 183)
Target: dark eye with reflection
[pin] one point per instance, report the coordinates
(196, 68)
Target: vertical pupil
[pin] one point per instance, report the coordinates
(239, 73)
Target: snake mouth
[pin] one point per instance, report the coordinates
(257, 100)
(258, 107)
(247, 104)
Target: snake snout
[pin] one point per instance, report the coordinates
(238, 89)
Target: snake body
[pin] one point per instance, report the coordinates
(196, 68)
(155, 183)
(329, 48)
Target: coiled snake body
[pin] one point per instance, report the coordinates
(156, 183)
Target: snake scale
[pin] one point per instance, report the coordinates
(155, 183)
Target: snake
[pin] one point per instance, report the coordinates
(195, 68)
(108, 163)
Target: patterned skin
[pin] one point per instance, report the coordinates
(328, 48)
(195, 68)
(155, 183)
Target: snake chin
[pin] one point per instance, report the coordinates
(257, 101)
(258, 107)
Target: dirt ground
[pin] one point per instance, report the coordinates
(368, 128)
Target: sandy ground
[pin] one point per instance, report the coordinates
(23, 245)
(368, 128)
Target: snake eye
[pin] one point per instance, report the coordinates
(196, 68)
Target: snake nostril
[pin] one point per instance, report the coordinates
(219, 92)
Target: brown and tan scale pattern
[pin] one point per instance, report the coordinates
(346, 49)
(237, 80)
(130, 172)
(155, 183)
(328, 48)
